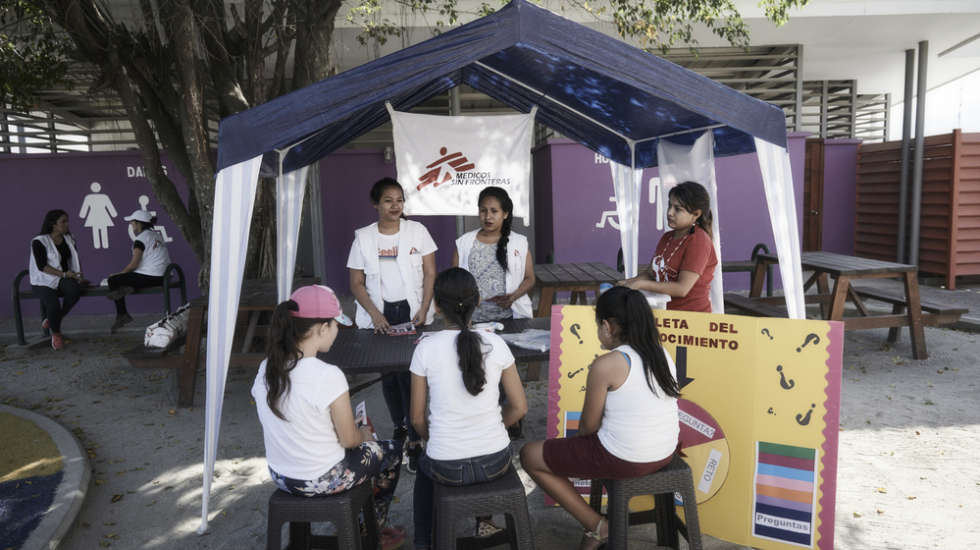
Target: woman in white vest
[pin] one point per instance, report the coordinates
(54, 268)
(392, 269)
(145, 269)
(498, 259)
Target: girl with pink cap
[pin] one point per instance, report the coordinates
(312, 444)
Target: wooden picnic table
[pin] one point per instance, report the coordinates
(355, 351)
(577, 278)
(845, 269)
(358, 351)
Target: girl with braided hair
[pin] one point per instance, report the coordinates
(684, 264)
(498, 259)
(459, 373)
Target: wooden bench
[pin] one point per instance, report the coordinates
(933, 313)
(753, 307)
(90, 291)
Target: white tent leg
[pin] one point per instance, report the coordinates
(289, 211)
(627, 182)
(234, 199)
(777, 179)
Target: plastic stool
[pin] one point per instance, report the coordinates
(675, 477)
(340, 509)
(504, 495)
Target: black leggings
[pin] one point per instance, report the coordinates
(51, 308)
(135, 280)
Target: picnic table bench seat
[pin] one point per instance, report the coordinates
(752, 306)
(933, 313)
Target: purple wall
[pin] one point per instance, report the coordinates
(34, 184)
(573, 187)
(346, 178)
(839, 192)
(572, 190)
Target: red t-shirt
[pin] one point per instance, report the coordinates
(693, 253)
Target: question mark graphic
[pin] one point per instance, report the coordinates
(782, 379)
(766, 332)
(804, 420)
(574, 330)
(809, 337)
(572, 374)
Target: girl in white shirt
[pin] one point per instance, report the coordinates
(458, 371)
(312, 444)
(628, 427)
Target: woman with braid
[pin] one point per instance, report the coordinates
(498, 259)
(459, 373)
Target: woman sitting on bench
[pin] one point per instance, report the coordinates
(55, 268)
(146, 269)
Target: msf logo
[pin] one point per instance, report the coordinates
(444, 169)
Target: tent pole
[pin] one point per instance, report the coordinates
(920, 124)
(454, 110)
(903, 186)
(555, 101)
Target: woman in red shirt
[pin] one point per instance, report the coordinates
(684, 264)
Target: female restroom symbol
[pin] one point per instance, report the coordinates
(804, 420)
(787, 385)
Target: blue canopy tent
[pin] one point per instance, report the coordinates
(611, 97)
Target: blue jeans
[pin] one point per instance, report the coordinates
(455, 473)
(397, 390)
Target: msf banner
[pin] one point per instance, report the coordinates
(758, 415)
(444, 162)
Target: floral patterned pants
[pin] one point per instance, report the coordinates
(380, 460)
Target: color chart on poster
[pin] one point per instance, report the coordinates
(758, 417)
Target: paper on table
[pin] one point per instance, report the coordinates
(402, 329)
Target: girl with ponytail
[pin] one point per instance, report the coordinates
(684, 264)
(312, 445)
(498, 259)
(459, 373)
(628, 427)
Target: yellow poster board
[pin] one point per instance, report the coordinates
(759, 417)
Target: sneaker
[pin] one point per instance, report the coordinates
(414, 454)
(120, 321)
(393, 537)
(119, 293)
(485, 527)
(401, 432)
(45, 324)
(57, 342)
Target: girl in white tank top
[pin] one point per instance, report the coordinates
(628, 426)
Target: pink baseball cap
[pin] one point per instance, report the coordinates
(318, 302)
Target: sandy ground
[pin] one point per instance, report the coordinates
(909, 473)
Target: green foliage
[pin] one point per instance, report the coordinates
(33, 56)
(655, 24)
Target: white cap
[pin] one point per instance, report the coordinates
(140, 216)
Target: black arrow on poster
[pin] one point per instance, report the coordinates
(681, 363)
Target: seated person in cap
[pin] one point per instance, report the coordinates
(146, 269)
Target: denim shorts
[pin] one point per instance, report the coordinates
(467, 471)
